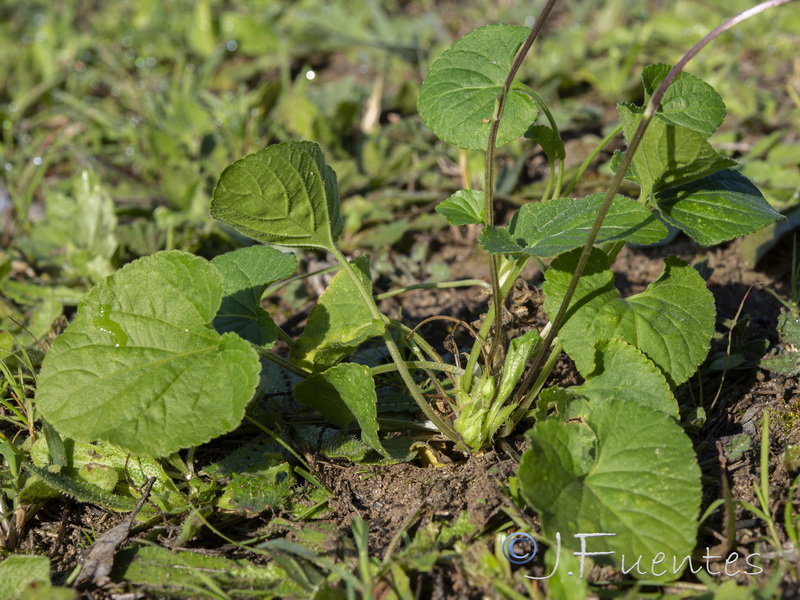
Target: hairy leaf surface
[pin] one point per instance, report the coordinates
(458, 97)
(641, 484)
(141, 367)
(688, 102)
(465, 207)
(284, 194)
(555, 226)
(716, 208)
(671, 322)
(669, 155)
(621, 372)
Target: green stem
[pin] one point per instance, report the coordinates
(284, 282)
(560, 180)
(592, 155)
(281, 362)
(394, 351)
(614, 250)
(436, 286)
(554, 126)
(420, 341)
(551, 179)
(285, 337)
(419, 364)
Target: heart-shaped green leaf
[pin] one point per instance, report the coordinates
(671, 322)
(245, 275)
(339, 323)
(716, 208)
(465, 207)
(555, 226)
(141, 367)
(669, 155)
(284, 194)
(458, 97)
(621, 372)
(343, 394)
(641, 484)
(688, 102)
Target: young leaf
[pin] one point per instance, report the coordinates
(641, 484)
(630, 174)
(548, 139)
(343, 394)
(671, 322)
(142, 368)
(465, 207)
(338, 324)
(621, 372)
(284, 194)
(669, 155)
(520, 351)
(245, 275)
(688, 102)
(555, 226)
(458, 97)
(716, 208)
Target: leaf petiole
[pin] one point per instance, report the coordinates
(394, 352)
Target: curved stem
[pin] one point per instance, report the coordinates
(553, 162)
(419, 364)
(560, 180)
(551, 179)
(420, 341)
(469, 370)
(532, 394)
(281, 362)
(436, 286)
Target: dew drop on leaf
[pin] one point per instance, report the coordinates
(104, 323)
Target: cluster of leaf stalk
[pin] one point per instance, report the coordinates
(504, 272)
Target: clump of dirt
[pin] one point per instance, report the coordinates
(407, 496)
